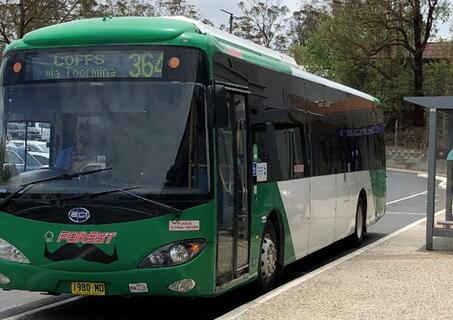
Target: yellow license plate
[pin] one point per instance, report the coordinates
(88, 288)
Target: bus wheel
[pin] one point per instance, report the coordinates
(268, 267)
(359, 230)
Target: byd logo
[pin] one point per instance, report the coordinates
(79, 215)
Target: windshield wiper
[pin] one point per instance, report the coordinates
(31, 184)
(91, 195)
(153, 202)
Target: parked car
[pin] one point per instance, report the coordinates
(32, 145)
(44, 129)
(42, 157)
(15, 156)
(16, 130)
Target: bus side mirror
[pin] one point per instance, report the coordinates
(217, 98)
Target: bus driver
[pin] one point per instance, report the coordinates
(75, 158)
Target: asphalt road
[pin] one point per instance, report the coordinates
(406, 201)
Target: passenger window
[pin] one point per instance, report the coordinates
(261, 146)
(283, 153)
(298, 165)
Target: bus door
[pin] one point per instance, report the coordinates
(233, 195)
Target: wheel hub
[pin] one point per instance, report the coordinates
(268, 258)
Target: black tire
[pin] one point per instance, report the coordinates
(360, 225)
(269, 264)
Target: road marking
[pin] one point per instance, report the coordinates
(404, 170)
(263, 299)
(408, 213)
(43, 308)
(443, 180)
(406, 198)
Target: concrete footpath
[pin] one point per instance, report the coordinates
(394, 278)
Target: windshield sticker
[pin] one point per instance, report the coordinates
(299, 168)
(261, 172)
(86, 237)
(138, 287)
(184, 225)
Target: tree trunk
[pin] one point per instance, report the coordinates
(419, 115)
(21, 32)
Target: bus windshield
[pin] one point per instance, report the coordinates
(150, 132)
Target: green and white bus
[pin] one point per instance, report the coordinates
(180, 160)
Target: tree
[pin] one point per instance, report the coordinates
(377, 28)
(17, 17)
(386, 77)
(125, 8)
(178, 8)
(306, 21)
(262, 22)
(151, 8)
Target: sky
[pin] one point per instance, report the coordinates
(211, 9)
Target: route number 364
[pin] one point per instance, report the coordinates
(146, 65)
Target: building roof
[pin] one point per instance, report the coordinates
(438, 51)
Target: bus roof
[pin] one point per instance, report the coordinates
(163, 30)
(298, 71)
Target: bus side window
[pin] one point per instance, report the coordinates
(260, 140)
(282, 139)
(298, 165)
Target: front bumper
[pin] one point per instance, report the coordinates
(34, 278)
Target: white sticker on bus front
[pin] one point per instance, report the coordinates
(184, 225)
(261, 172)
(138, 287)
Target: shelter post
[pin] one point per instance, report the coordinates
(432, 147)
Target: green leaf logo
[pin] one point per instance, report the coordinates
(49, 236)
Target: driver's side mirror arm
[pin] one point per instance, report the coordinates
(218, 107)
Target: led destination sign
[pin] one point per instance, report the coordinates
(112, 63)
(108, 64)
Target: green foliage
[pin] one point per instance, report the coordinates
(439, 79)
(263, 22)
(17, 17)
(178, 8)
(316, 55)
(125, 8)
(306, 21)
(362, 44)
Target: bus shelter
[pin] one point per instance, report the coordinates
(434, 105)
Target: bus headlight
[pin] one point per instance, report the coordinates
(173, 254)
(11, 253)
